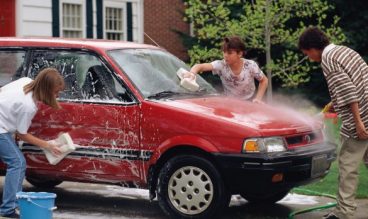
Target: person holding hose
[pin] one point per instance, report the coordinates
(329, 108)
(237, 73)
(346, 74)
(18, 106)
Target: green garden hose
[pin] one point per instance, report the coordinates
(310, 192)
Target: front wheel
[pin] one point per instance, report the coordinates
(191, 187)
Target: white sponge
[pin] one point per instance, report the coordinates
(66, 146)
(187, 83)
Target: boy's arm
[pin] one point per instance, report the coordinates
(198, 68)
(263, 84)
(359, 125)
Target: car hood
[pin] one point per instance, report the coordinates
(264, 118)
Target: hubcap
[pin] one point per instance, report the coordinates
(190, 190)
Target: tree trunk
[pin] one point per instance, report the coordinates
(268, 50)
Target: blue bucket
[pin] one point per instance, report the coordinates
(36, 204)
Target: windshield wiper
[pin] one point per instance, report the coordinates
(163, 94)
(169, 93)
(203, 91)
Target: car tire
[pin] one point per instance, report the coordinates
(265, 198)
(191, 187)
(43, 183)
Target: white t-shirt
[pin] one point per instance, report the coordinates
(16, 108)
(241, 86)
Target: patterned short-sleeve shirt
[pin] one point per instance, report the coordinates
(241, 86)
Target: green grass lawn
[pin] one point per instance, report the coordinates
(328, 185)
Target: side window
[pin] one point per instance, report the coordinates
(12, 64)
(86, 77)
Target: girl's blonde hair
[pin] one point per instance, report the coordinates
(44, 86)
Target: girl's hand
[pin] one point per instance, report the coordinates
(53, 147)
(189, 75)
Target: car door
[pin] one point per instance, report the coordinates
(98, 112)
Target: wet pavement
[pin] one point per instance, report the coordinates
(85, 200)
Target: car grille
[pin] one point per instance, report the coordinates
(303, 139)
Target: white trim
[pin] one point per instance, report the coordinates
(18, 18)
(37, 3)
(140, 13)
(122, 6)
(35, 21)
(35, 6)
(83, 15)
(94, 18)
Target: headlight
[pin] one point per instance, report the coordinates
(269, 145)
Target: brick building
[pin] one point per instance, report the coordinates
(161, 19)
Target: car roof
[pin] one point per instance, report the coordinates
(94, 44)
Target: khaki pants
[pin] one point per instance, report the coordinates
(352, 152)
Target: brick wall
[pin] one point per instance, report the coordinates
(161, 17)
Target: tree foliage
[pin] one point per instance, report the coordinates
(269, 27)
(354, 19)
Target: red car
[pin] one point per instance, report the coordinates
(134, 125)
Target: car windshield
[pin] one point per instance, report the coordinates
(154, 73)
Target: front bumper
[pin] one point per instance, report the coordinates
(253, 172)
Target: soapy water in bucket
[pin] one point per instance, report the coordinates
(38, 205)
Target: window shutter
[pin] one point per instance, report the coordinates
(55, 18)
(129, 22)
(89, 17)
(99, 8)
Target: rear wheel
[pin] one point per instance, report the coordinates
(265, 198)
(191, 187)
(42, 183)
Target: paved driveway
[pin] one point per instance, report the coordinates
(82, 201)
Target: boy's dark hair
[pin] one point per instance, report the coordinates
(313, 38)
(233, 43)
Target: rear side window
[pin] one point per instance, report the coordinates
(12, 63)
(86, 77)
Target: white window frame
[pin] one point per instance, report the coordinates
(122, 6)
(139, 10)
(83, 15)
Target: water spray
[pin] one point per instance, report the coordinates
(317, 208)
